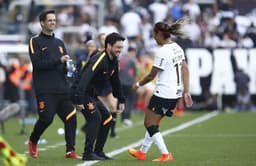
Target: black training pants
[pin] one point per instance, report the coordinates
(48, 106)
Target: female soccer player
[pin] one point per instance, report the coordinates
(172, 84)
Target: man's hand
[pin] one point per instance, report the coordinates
(135, 86)
(64, 58)
(187, 99)
(121, 108)
(79, 107)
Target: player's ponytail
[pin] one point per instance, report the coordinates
(173, 29)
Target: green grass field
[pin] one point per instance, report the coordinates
(227, 139)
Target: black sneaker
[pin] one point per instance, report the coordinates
(92, 156)
(113, 135)
(103, 155)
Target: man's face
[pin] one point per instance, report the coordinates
(116, 49)
(102, 40)
(50, 22)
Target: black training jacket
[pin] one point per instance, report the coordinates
(97, 72)
(49, 74)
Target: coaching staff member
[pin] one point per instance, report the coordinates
(101, 68)
(48, 55)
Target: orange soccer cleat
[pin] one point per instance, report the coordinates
(164, 158)
(72, 154)
(32, 148)
(137, 154)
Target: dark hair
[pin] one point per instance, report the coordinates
(42, 16)
(173, 29)
(131, 49)
(112, 38)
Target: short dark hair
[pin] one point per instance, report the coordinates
(42, 16)
(112, 38)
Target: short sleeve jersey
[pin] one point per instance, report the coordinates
(169, 60)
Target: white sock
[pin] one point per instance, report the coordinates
(146, 144)
(159, 141)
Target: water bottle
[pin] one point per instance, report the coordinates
(69, 65)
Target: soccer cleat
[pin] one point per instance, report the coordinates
(164, 158)
(137, 154)
(72, 154)
(32, 148)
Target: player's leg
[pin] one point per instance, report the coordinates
(157, 108)
(93, 121)
(47, 105)
(103, 131)
(67, 113)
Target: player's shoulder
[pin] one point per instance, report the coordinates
(34, 37)
(98, 55)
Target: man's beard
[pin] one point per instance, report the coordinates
(113, 55)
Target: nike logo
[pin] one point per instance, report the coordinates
(44, 48)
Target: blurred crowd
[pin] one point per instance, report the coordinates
(213, 24)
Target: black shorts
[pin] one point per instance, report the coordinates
(162, 106)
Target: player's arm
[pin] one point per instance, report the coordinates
(185, 80)
(149, 77)
(86, 77)
(91, 69)
(117, 90)
(116, 86)
(158, 65)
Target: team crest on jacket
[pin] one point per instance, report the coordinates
(61, 50)
(90, 106)
(41, 106)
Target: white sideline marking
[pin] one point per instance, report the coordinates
(164, 133)
(49, 147)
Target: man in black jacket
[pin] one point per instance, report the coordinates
(48, 55)
(101, 68)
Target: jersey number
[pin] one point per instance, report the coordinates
(178, 73)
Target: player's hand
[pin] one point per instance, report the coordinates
(135, 86)
(64, 58)
(79, 107)
(121, 108)
(188, 99)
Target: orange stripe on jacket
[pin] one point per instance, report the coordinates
(107, 120)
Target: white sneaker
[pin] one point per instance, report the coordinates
(127, 122)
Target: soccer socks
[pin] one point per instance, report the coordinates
(157, 138)
(159, 141)
(146, 144)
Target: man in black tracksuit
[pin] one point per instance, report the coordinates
(48, 55)
(102, 67)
